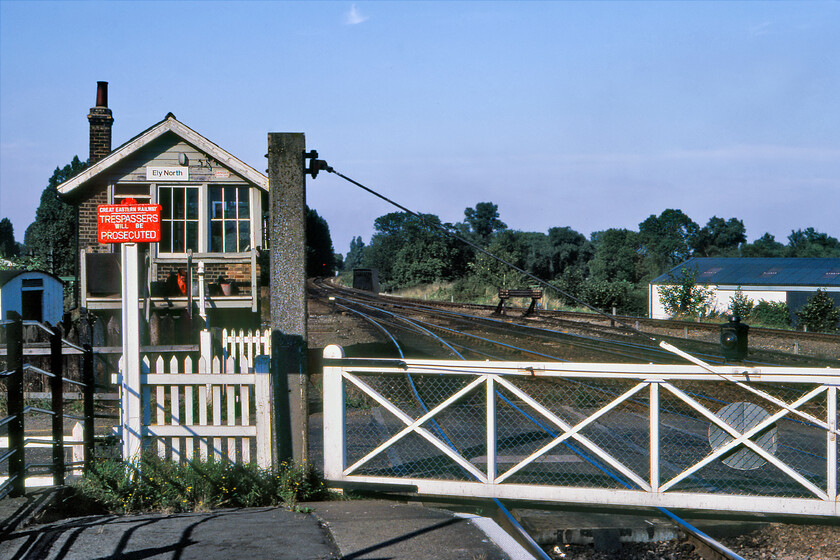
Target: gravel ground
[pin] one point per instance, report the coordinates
(774, 542)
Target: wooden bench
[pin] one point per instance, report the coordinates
(505, 295)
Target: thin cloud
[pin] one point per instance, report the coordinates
(760, 29)
(354, 16)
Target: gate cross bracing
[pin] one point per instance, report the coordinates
(673, 436)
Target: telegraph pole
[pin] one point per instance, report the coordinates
(290, 383)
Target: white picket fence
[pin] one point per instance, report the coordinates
(210, 409)
(239, 344)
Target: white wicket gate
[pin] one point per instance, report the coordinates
(205, 410)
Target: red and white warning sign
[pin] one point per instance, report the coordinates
(128, 222)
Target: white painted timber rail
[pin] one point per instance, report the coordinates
(675, 436)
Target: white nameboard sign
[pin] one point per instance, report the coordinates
(167, 173)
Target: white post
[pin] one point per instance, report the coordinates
(831, 446)
(491, 429)
(205, 346)
(262, 403)
(78, 452)
(131, 429)
(335, 453)
(654, 436)
(202, 312)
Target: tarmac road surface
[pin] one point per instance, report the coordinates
(352, 530)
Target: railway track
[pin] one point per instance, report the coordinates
(456, 333)
(579, 337)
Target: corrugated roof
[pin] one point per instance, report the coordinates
(759, 272)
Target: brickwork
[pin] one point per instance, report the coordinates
(87, 223)
(238, 272)
(100, 133)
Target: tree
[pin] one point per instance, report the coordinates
(409, 250)
(320, 256)
(766, 246)
(819, 314)
(617, 256)
(569, 249)
(355, 255)
(667, 239)
(534, 253)
(810, 243)
(483, 222)
(8, 246)
(50, 239)
(511, 246)
(685, 297)
(719, 237)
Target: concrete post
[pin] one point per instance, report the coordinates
(290, 383)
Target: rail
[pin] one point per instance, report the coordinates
(15, 454)
(610, 434)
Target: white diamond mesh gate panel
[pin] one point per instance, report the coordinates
(619, 434)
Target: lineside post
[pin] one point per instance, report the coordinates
(57, 395)
(14, 388)
(290, 384)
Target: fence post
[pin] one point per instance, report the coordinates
(831, 445)
(205, 344)
(262, 401)
(78, 453)
(87, 394)
(335, 454)
(57, 394)
(14, 387)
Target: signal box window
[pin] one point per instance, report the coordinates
(230, 219)
(178, 219)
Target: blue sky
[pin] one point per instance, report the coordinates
(583, 114)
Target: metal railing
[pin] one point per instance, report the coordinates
(675, 436)
(15, 421)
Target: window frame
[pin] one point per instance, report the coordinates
(242, 194)
(253, 197)
(201, 235)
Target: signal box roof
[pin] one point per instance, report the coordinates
(758, 272)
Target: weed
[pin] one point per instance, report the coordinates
(162, 485)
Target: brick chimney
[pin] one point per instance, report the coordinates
(100, 125)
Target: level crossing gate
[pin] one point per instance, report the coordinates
(677, 436)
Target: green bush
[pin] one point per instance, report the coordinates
(472, 288)
(741, 305)
(685, 298)
(621, 294)
(162, 485)
(819, 314)
(772, 314)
